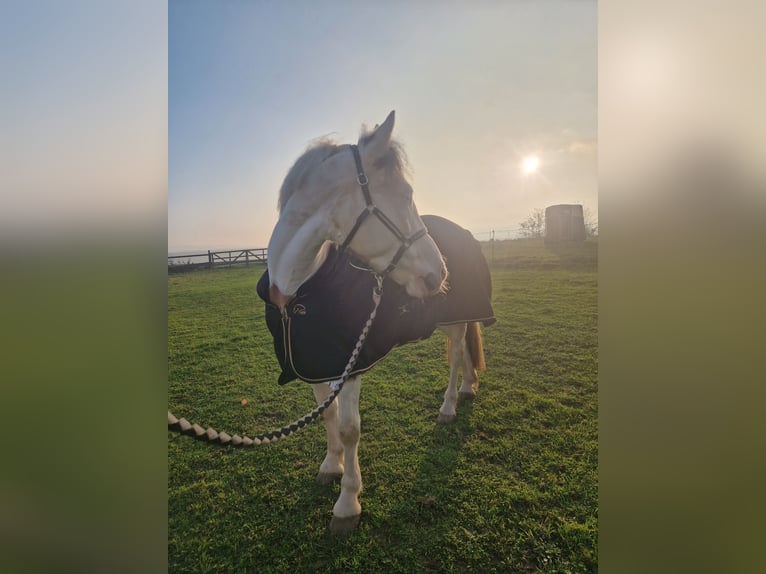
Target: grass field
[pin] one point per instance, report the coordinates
(511, 486)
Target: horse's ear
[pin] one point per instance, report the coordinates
(377, 143)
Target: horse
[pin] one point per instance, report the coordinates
(346, 220)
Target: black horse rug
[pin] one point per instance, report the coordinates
(314, 341)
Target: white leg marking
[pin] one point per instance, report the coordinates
(332, 465)
(347, 509)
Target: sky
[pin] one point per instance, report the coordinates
(83, 115)
(477, 88)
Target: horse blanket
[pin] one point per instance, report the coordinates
(314, 341)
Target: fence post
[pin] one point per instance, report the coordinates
(209, 259)
(492, 243)
(247, 258)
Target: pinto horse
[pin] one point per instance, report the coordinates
(347, 219)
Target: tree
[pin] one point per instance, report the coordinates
(591, 223)
(534, 225)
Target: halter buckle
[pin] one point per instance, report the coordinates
(361, 179)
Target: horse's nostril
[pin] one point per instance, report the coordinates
(432, 281)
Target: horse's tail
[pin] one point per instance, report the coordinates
(475, 346)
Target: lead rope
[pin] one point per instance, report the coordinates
(211, 435)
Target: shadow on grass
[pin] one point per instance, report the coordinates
(417, 520)
(432, 490)
(429, 491)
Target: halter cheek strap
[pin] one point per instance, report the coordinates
(372, 209)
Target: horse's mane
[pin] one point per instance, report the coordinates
(395, 159)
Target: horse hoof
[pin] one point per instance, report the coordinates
(325, 478)
(345, 525)
(446, 419)
(466, 396)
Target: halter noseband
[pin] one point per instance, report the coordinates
(372, 209)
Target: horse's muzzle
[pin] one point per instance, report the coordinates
(432, 282)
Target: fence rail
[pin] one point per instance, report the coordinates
(217, 259)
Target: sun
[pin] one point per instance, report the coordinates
(530, 164)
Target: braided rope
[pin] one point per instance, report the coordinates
(211, 435)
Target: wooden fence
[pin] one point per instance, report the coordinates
(212, 259)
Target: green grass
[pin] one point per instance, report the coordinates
(511, 486)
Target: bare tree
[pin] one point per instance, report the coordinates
(591, 222)
(534, 225)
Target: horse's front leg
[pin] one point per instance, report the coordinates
(332, 465)
(347, 510)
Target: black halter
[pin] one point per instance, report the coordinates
(371, 209)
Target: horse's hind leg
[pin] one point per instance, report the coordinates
(456, 335)
(470, 378)
(473, 361)
(331, 468)
(347, 510)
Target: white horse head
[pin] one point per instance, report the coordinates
(321, 200)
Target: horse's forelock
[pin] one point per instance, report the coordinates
(317, 151)
(394, 160)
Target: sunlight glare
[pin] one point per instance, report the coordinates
(530, 164)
